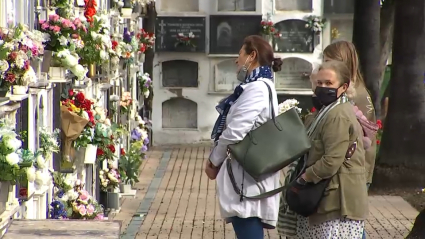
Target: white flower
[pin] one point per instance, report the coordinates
(79, 71)
(146, 93)
(85, 115)
(71, 194)
(120, 4)
(12, 158)
(31, 174)
(103, 55)
(12, 143)
(112, 178)
(29, 76)
(4, 66)
(191, 35)
(41, 178)
(107, 122)
(288, 104)
(41, 162)
(63, 41)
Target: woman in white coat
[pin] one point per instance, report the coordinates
(246, 109)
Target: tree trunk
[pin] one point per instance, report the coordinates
(386, 35)
(402, 151)
(367, 41)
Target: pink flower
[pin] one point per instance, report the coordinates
(45, 26)
(42, 21)
(77, 21)
(99, 217)
(82, 210)
(90, 209)
(67, 23)
(84, 195)
(56, 29)
(54, 17)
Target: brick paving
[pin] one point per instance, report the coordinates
(185, 204)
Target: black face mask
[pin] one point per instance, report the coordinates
(316, 103)
(326, 95)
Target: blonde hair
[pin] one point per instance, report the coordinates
(340, 69)
(346, 52)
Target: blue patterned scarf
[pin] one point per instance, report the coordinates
(224, 106)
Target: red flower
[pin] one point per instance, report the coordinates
(270, 23)
(27, 65)
(13, 55)
(10, 77)
(99, 152)
(378, 142)
(80, 97)
(71, 93)
(114, 45)
(263, 23)
(379, 123)
(122, 152)
(112, 148)
(313, 110)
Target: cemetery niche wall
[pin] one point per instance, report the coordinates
(179, 113)
(225, 76)
(228, 32)
(180, 34)
(179, 73)
(294, 5)
(296, 37)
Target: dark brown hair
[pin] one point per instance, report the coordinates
(264, 52)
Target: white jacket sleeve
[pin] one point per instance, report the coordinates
(241, 118)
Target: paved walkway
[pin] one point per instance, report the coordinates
(176, 200)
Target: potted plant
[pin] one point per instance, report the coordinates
(129, 170)
(145, 40)
(315, 23)
(109, 181)
(185, 42)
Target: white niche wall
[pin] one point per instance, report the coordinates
(182, 114)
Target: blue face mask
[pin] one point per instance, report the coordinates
(243, 72)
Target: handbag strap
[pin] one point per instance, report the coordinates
(239, 191)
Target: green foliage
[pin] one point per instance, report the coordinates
(129, 167)
(59, 181)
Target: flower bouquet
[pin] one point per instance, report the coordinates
(185, 40)
(125, 102)
(129, 164)
(146, 40)
(140, 141)
(315, 23)
(48, 142)
(287, 105)
(74, 202)
(145, 83)
(17, 47)
(268, 29)
(76, 114)
(109, 179)
(100, 47)
(42, 175)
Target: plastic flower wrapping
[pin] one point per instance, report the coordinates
(15, 163)
(109, 178)
(287, 105)
(145, 82)
(18, 46)
(73, 202)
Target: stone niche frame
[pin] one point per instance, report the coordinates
(174, 6)
(236, 5)
(295, 75)
(179, 113)
(179, 74)
(294, 5)
(225, 75)
(296, 38)
(338, 7)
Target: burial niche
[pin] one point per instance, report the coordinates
(294, 75)
(179, 113)
(179, 73)
(296, 38)
(294, 5)
(338, 6)
(236, 5)
(225, 76)
(179, 6)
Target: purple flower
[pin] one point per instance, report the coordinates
(144, 148)
(135, 134)
(146, 141)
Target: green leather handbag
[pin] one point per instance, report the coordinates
(272, 146)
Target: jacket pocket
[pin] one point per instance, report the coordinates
(330, 200)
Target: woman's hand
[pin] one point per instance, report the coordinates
(211, 170)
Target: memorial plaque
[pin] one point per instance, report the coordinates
(338, 7)
(295, 74)
(294, 5)
(228, 32)
(225, 76)
(179, 73)
(167, 29)
(236, 5)
(295, 38)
